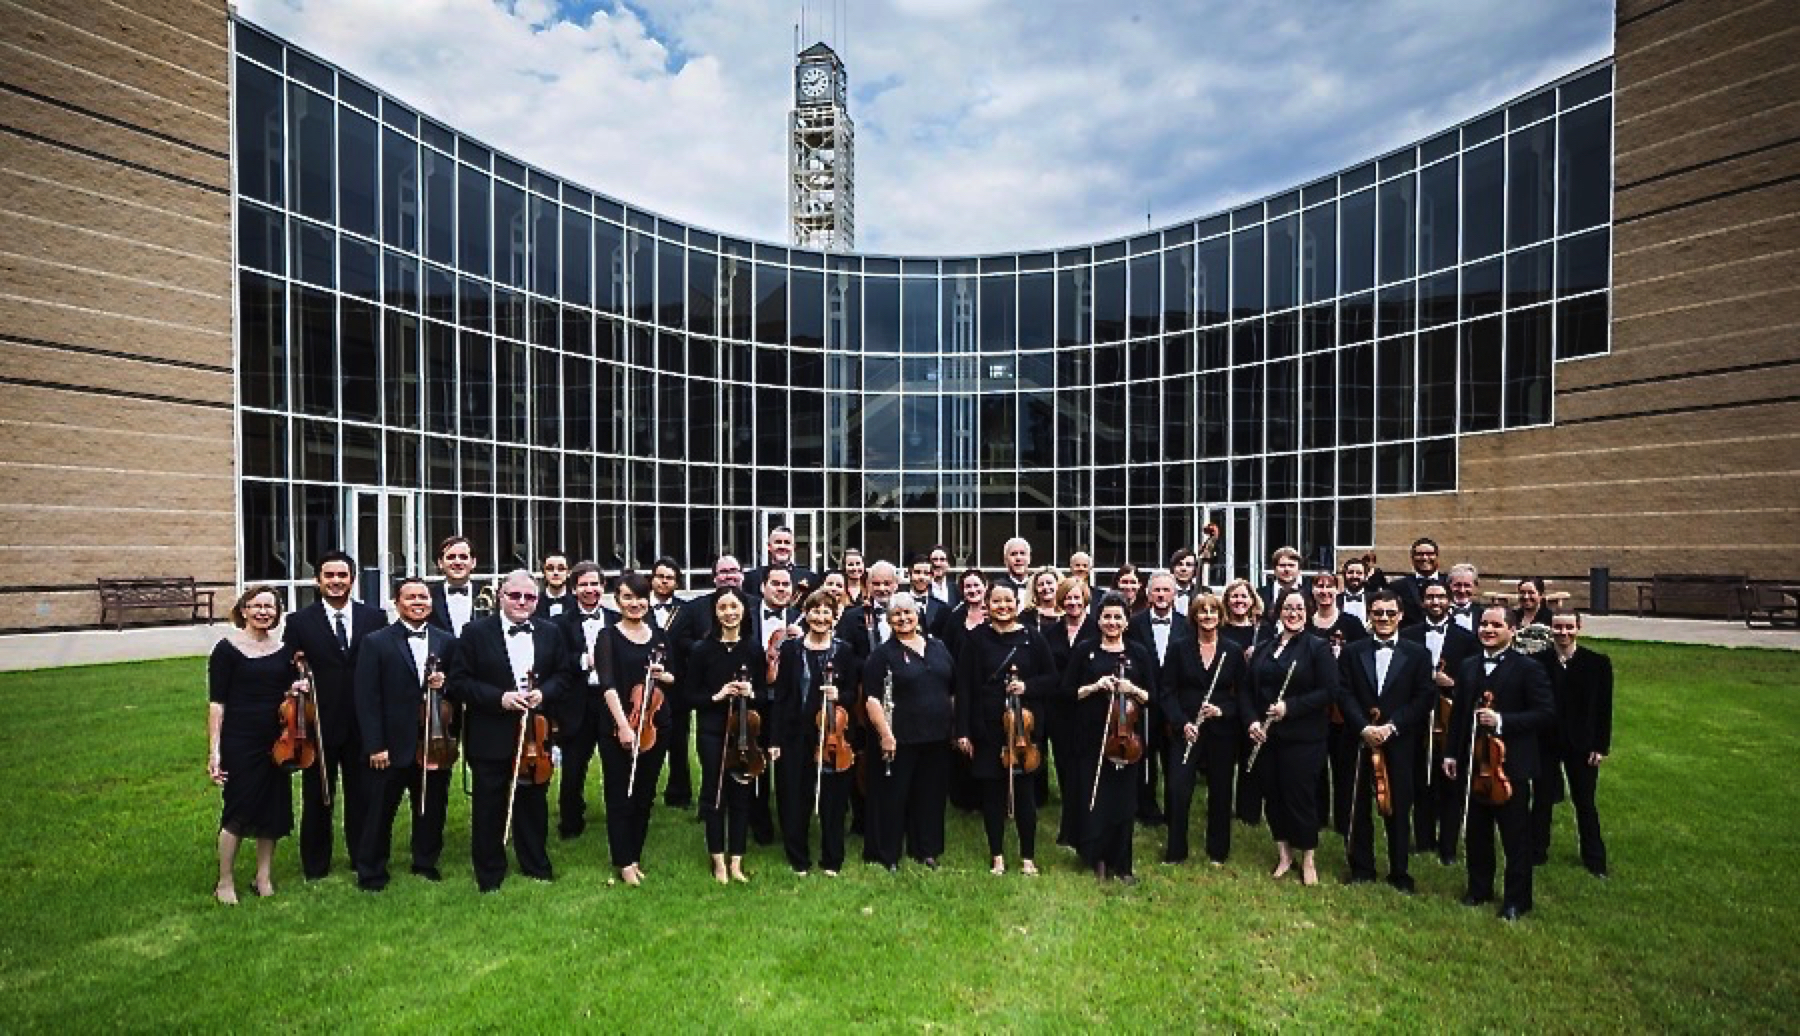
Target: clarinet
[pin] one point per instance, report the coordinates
(887, 709)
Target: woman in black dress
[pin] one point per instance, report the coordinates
(1293, 682)
(249, 674)
(1243, 629)
(1000, 660)
(1533, 609)
(969, 612)
(1338, 629)
(640, 657)
(1063, 631)
(1099, 673)
(909, 785)
(811, 672)
(1200, 684)
(723, 668)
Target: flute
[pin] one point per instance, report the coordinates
(1279, 695)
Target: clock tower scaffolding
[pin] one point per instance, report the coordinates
(821, 154)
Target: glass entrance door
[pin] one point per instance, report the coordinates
(809, 542)
(385, 540)
(1236, 551)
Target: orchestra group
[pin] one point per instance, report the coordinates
(872, 699)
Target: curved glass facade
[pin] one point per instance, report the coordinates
(435, 337)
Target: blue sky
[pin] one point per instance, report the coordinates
(982, 125)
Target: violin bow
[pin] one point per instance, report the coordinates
(1100, 756)
(1468, 778)
(512, 790)
(319, 733)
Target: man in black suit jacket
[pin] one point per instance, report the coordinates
(391, 678)
(780, 555)
(773, 616)
(488, 675)
(1387, 697)
(331, 631)
(1017, 554)
(1286, 565)
(1437, 811)
(556, 599)
(579, 716)
(865, 626)
(936, 612)
(1582, 683)
(1160, 629)
(1522, 710)
(1411, 589)
(454, 602)
(694, 619)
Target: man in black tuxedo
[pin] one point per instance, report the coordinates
(1522, 710)
(1465, 585)
(665, 608)
(936, 612)
(940, 573)
(1285, 563)
(1388, 695)
(1437, 812)
(555, 599)
(773, 615)
(579, 716)
(1017, 553)
(331, 631)
(490, 675)
(1354, 600)
(694, 619)
(780, 555)
(1582, 683)
(453, 602)
(393, 669)
(1411, 589)
(865, 627)
(1160, 629)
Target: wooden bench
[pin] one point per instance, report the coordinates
(1692, 595)
(118, 596)
(1769, 605)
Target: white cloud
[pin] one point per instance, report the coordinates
(980, 126)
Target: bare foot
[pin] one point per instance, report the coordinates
(720, 875)
(999, 866)
(1308, 874)
(1281, 868)
(738, 875)
(226, 894)
(629, 876)
(264, 888)
(1028, 868)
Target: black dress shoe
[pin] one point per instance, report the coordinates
(1359, 878)
(428, 873)
(930, 862)
(1447, 859)
(1128, 880)
(1540, 859)
(1510, 912)
(1473, 900)
(371, 886)
(1402, 884)
(568, 834)
(1598, 872)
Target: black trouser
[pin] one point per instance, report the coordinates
(906, 808)
(1362, 824)
(1150, 789)
(1449, 810)
(1514, 821)
(1215, 755)
(1249, 792)
(799, 777)
(494, 781)
(1428, 780)
(386, 788)
(628, 817)
(1108, 827)
(1289, 772)
(1584, 782)
(1335, 787)
(679, 792)
(1065, 756)
(578, 743)
(724, 800)
(349, 798)
(993, 814)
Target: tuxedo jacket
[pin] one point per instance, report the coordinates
(1584, 698)
(1405, 699)
(333, 668)
(753, 579)
(1139, 629)
(547, 606)
(1459, 646)
(1524, 700)
(583, 697)
(440, 608)
(853, 628)
(936, 614)
(692, 622)
(388, 690)
(481, 671)
(754, 620)
(1411, 591)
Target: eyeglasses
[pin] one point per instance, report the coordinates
(519, 595)
(1384, 613)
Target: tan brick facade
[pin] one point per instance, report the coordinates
(116, 454)
(1679, 451)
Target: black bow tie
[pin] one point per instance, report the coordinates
(591, 616)
(1354, 596)
(662, 606)
(464, 589)
(419, 633)
(1384, 645)
(1435, 627)
(521, 627)
(1494, 660)
(1154, 621)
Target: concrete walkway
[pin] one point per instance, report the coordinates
(88, 647)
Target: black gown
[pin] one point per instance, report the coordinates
(1337, 779)
(798, 696)
(1107, 827)
(259, 796)
(981, 676)
(628, 817)
(724, 800)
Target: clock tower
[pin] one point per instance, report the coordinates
(821, 154)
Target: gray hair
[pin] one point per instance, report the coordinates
(1464, 569)
(903, 599)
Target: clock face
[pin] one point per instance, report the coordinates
(814, 82)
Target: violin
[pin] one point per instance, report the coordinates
(1384, 791)
(637, 716)
(1019, 751)
(1124, 739)
(437, 746)
(298, 746)
(535, 761)
(833, 720)
(745, 757)
(1487, 761)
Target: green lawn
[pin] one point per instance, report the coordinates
(106, 872)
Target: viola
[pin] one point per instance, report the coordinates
(646, 702)
(535, 761)
(297, 748)
(1384, 792)
(1487, 764)
(1124, 735)
(745, 758)
(834, 752)
(437, 745)
(1019, 751)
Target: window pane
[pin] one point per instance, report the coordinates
(1481, 374)
(1284, 258)
(1484, 171)
(1531, 182)
(311, 167)
(1247, 272)
(1358, 261)
(357, 155)
(1528, 367)
(1437, 216)
(440, 207)
(1584, 181)
(1318, 253)
(472, 221)
(260, 138)
(1398, 259)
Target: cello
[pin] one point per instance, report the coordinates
(1018, 750)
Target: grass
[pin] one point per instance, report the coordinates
(106, 869)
